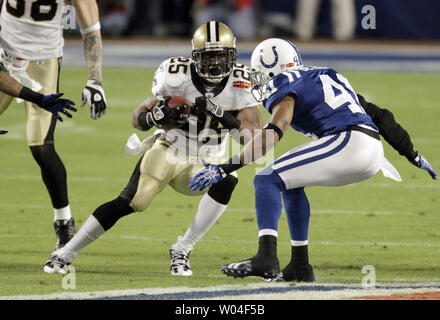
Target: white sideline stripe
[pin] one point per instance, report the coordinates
(346, 292)
(250, 210)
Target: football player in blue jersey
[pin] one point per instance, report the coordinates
(320, 103)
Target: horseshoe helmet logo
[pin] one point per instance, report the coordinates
(273, 64)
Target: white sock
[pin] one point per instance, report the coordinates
(208, 213)
(62, 214)
(89, 232)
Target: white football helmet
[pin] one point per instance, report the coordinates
(271, 57)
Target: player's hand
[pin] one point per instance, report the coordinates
(161, 114)
(56, 105)
(3, 132)
(207, 177)
(94, 95)
(206, 105)
(421, 162)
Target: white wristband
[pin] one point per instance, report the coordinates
(95, 27)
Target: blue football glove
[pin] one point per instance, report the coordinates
(54, 104)
(3, 132)
(207, 177)
(422, 163)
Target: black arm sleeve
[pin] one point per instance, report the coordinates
(392, 132)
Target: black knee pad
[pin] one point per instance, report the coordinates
(222, 191)
(110, 212)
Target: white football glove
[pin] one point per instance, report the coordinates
(94, 95)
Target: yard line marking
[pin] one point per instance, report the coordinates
(241, 241)
(105, 179)
(246, 210)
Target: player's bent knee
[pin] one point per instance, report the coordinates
(109, 213)
(268, 179)
(222, 191)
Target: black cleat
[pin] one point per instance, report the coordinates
(65, 230)
(260, 266)
(298, 272)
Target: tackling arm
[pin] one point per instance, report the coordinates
(260, 144)
(277, 125)
(250, 119)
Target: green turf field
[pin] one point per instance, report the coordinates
(391, 226)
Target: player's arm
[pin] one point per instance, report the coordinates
(260, 144)
(139, 114)
(395, 134)
(250, 120)
(87, 15)
(8, 84)
(51, 103)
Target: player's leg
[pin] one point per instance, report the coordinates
(341, 159)
(148, 178)
(211, 207)
(268, 205)
(40, 127)
(297, 209)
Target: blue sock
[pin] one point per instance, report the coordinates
(298, 213)
(268, 186)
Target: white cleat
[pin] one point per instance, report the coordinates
(57, 263)
(179, 259)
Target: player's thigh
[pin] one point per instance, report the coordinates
(341, 159)
(152, 173)
(181, 181)
(40, 123)
(5, 101)
(188, 170)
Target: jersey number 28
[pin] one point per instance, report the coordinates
(41, 10)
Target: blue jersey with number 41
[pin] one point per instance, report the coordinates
(325, 102)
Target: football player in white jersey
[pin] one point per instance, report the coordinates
(31, 38)
(218, 93)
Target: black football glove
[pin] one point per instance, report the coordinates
(162, 115)
(3, 132)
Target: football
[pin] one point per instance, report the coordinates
(177, 101)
